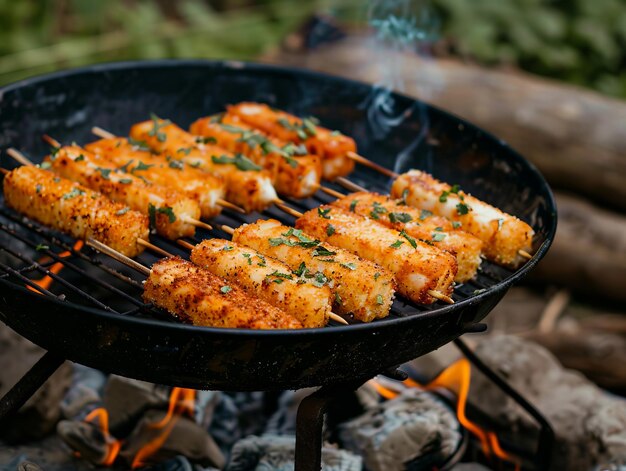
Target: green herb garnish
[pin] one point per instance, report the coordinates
(353, 205)
(400, 217)
(462, 209)
(141, 166)
(409, 238)
(138, 145)
(438, 237)
(72, 194)
(323, 252)
(176, 164)
(122, 211)
(240, 161)
(397, 244)
(41, 247)
(156, 127)
(206, 140)
(330, 230)
(226, 289)
(377, 210)
(323, 213)
(424, 213)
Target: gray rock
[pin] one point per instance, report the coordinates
(276, 453)
(402, 429)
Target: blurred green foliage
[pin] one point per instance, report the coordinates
(579, 41)
(38, 36)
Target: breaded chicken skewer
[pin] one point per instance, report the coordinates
(135, 160)
(75, 210)
(135, 156)
(420, 270)
(195, 295)
(172, 214)
(419, 224)
(247, 184)
(295, 172)
(273, 281)
(506, 239)
(333, 147)
(359, 286)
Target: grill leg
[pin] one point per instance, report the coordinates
(29, 384)
(310, 422)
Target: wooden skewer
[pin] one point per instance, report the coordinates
(297, 214)
(21, 158)
(105, 249)
(350, 185)
(331, 192)
(332, 315)
(4, 171)
(98, 131)
(229, 230)
(391, 174)
(373, 165)
(50, 140)
(154, 248)
(283, 207)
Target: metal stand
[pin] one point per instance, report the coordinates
(29, 384)
(546, 434)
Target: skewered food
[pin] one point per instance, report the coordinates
(359, 286)
(247, 184)
(503, 235)
(136, 159)
(332, 146)
(421, 225)
(267, 278)
(197, 296)
(74, 209)
(418, 267)
(170, 212)
(295, 172)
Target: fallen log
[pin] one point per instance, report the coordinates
(576, 137)
(589, 251)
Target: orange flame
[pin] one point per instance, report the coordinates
(113, 445)
(457, 378)
(181, 402)
(47, 280)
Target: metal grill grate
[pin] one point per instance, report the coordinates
(95, 280)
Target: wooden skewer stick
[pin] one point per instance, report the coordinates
(283, 207)
(19, 157)
(331, 192)
(105, 249)
(154, 248)
(373, 165)
(350, 185)
(4, 171)
(524, 254)
(103, 133)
